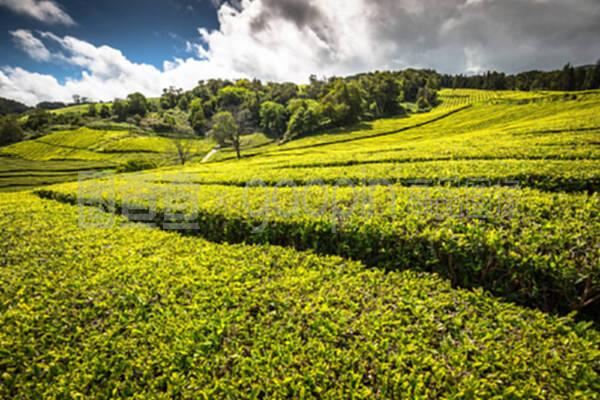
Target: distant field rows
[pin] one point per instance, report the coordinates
(58, 157)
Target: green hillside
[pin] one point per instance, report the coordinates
(448, 253)
(57, 157)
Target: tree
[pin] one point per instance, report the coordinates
(197, 118)
(273, 119)
(121, 109)
(184, 103)
(38, 120)
(306, 118)
(10, 131)
(225, 129)
(138, 105)
(231, 98)
(592, 77)
(91, 112)
(344, 103)
(104, 111)
(8, 106)
(170, 98)
(567, 78)
(183, 150)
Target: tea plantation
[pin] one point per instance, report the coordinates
(453, 253)
(58, 157)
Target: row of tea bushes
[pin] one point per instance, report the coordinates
(535, 248)
(549, 175)
(134, 312)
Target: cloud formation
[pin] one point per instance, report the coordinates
(106, 72)
(43, 10)
(291, 39)
(33, 46)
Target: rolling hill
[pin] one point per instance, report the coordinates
(57, 157)
(447, 254)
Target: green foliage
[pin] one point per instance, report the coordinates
(137, 105)
(38, 120)
(92, 111)
(105, 111)
(306, 117)
(170, 98)
(119, 311)
(231, 98)
(568, 79)
(137, 165)
(273, 119)
(344, 104)
(225, 130)
(10, 130)
(8, 106)
(120, 110)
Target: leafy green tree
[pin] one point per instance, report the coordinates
(184, 103)
(232, 98)
(10, 131)
(138, 105)
(226, 130)
(170, 98)
(197, 117)
(121, 109)
(273, 119)
(183, 150)
(306, 117)
(104, 111)
(592, 77)
(344, 103)
(91, 111)
(38, 120)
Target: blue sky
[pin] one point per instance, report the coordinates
(147, 31)
(106, 49)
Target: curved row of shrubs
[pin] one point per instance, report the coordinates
(534, 248)
(123, 311)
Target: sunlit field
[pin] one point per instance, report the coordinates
(439, 254)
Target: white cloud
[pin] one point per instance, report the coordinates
(33, 46)
(43, 10)
(107, 74)
(291, 39)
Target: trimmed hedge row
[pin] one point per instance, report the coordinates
(534, 248)
(132, 312)
(549, 175)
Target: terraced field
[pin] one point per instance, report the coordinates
(59, 156)
(448, 254)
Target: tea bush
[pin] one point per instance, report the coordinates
(535, 248)
(117, 310)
